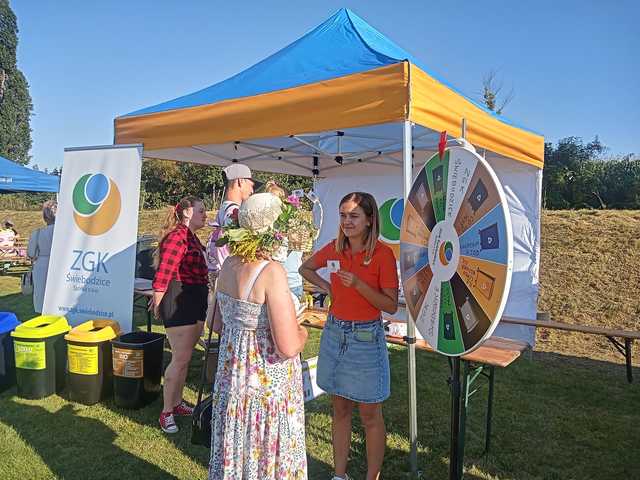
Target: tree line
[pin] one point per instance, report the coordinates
(164, 182)
(576, 175)
(581, 175)
(15, 101)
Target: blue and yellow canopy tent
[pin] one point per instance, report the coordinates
(342, 75)
(349, 107)
(16, 178)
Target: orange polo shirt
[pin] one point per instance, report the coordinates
(381, 272)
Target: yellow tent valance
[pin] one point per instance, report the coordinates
(387, 94)
(369, 98)
(436, 106)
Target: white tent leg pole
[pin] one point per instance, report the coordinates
(411, 328)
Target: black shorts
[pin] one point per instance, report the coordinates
(183, 304)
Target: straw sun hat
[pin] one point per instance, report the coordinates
(259, 212)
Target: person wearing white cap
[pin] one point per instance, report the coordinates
(239, 186)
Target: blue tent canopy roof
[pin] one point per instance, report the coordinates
(343, 45)
(16, 178)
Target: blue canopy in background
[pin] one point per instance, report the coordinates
(16, 178)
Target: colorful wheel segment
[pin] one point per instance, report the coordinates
(456, 251)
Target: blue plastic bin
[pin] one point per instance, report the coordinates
(8, 322)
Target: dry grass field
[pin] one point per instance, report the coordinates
(589, 274)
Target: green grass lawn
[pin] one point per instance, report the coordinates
(555, 417)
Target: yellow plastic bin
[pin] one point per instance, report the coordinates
(41, 356)
(89, 360)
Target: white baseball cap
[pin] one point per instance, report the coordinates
(237, 171)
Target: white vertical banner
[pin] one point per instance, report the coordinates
(92, 264)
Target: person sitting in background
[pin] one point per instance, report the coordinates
(8, 236)
(9, 225)
(39, 249)
(7, 242)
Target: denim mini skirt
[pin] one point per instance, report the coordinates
(353, 361)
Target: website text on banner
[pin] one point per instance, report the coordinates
(91, 271)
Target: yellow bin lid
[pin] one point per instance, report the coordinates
(42, 327)
(94, 331)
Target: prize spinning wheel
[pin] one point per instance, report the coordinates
(456, 251)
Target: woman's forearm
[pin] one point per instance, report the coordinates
(157, 297)
(377, 299)
(303, 334)
(312, 277)
(217, 320)
(155, 304)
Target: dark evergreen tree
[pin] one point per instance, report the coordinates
(15, 101)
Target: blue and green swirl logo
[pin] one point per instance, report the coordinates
(390, 221)
(446, 253)
(96, 203)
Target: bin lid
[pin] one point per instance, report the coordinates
(94, 331)
(42, 327)
(8, 321)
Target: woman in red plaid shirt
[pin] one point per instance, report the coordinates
(180, 299)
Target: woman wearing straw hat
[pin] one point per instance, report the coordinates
(258, 403)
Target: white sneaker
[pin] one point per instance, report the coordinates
(346, 477)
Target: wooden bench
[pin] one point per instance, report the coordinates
(613, 335)
(15, 260)
(494, 352)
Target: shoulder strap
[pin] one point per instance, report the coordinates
(252, 280)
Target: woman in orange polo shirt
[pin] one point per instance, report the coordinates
(353, 363)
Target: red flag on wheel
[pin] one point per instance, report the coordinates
(442, 144)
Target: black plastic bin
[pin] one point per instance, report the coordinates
(89, 360)
(8, 322)
(41, 356)
(137, 368)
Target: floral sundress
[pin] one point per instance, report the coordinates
(258, 403)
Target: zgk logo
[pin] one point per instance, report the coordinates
(96, 203)
(445, 253)
(390, 222)
(391, 219)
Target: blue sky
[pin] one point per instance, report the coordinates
(573, 65)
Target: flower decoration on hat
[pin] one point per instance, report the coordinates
(264, 224)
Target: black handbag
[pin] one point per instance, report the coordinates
(201, 423)
(201, 419)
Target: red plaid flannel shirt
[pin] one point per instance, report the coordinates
(181, 259)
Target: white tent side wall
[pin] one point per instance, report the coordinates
(522, 186)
